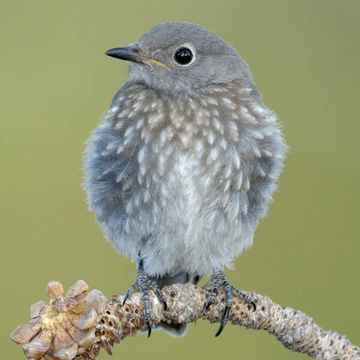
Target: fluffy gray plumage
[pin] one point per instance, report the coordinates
(184, 163)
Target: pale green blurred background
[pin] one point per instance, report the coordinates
(55, 84)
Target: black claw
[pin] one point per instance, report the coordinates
(219, 281)
(160, 295)
(221, 328)
(254, 305)
(125, 298)
(149, 329)
(246, 298)
(224, 320)
(208, 304)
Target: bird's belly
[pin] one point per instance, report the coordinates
(193, 233)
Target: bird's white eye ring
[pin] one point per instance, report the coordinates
(184, 55)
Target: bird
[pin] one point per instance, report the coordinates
(184, 162)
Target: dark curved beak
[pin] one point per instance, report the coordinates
(128, 53)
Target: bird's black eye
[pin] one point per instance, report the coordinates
(183, 56)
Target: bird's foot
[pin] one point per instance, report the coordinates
(144, 284)
(218, 282)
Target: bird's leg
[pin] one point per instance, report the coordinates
(218, 282)
(144, 284)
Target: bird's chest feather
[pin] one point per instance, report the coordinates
(171, 147)
(181, 156)
(194, 156)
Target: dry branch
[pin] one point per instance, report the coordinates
(77, 325)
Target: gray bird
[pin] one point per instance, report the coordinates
(184, 162)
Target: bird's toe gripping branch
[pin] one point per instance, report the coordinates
(144, 284)
(219, 282)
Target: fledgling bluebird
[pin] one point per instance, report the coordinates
(184, 163)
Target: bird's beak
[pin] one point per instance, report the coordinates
(133, 53)
(129, 53)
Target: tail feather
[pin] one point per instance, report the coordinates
(180, 278)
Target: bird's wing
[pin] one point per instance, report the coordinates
(111, 167)
(261, 150)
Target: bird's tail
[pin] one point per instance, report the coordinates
(181, 278)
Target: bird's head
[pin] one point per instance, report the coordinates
(182, 56)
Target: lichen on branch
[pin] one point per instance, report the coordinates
(78, 324)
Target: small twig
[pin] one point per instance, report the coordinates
(78, 325)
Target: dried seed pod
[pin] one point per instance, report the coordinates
(78, 289)
(54, 289)
(65, 326)
(37, 347)
(35, 309)
(24, 333)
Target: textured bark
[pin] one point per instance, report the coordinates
(94, 323)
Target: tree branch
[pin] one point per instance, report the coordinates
(77, 325)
